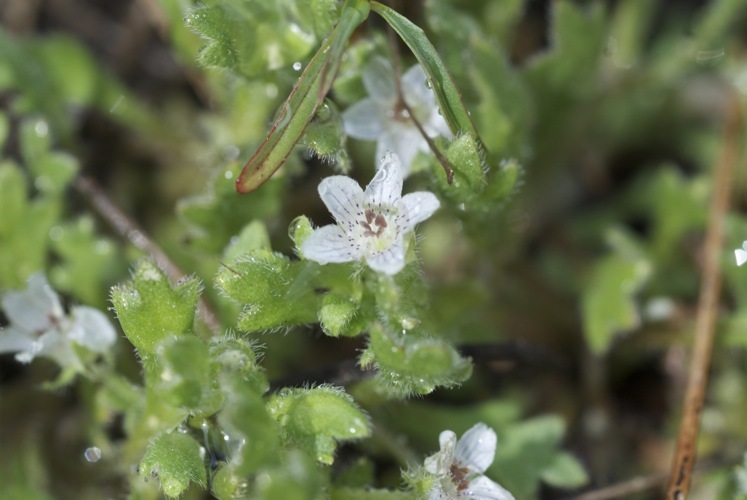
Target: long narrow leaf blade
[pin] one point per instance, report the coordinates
(302, 102)
(444, 87)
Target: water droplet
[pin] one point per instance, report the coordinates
(439, 111)
(428, 83)
(92, 454)
(352, 430)
(228, 175)
(41, 128)
(297, 66)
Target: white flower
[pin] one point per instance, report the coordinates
(370, 225)
(39, 326)
(460, 466)
(741, 254)
(382, 118)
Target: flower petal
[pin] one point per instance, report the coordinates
(92, 329)
(476, 448)
(378, 79)
(416, 91)
(389, 261)
(344, 199)
(482, 488)
(415, 208)
(330, 244)
(741, 256)
(403, 141)
(14, 339)
(386, 186)
(440, 463)
(32, 308)
(362, 120)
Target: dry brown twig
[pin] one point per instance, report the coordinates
(130, 230)
(705, 321)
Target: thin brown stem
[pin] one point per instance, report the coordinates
(705, 321)
(402, 102)
(130, 230)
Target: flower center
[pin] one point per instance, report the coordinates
(459, 477)
(376, 228)
(374, 224)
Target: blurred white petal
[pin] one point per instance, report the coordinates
(34, 308)
(92, 329)
(378, 79)
(361, 120)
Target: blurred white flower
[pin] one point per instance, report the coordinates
(39, 326)
(382, 118)
(741, 254)
(459, 466)
(371, 224)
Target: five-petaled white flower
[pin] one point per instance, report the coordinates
(382, 118)
(371, 224)
(39, 326)
(741, 254)
(459, 466)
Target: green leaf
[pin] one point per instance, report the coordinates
(318, 418)
(253, 236)
(565, 472)
(54, 171)
(217, 215)
(447, 94)
(4, 129)
(150, 309)
(176, 459)
(252, 431)
(525, 451)
(237, 356)
(607, 305)
(303, 101)
(298, 478)
(186, 375)
(408, 363)
(88, 262)
(24, 227)
(276, 292)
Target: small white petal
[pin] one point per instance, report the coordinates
(415, 208)
(362, 120)
(329, 244)
(32, 308)
(343, 197)
(440, 463)
(386, 186)
(378, 79)
(476, 448)
(15, 340)
(389, 261)
(92, 329)
(482, 488)
(416, 91)
(403, 141)
(741, 256)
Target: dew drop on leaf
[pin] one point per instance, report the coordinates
(92, 454)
